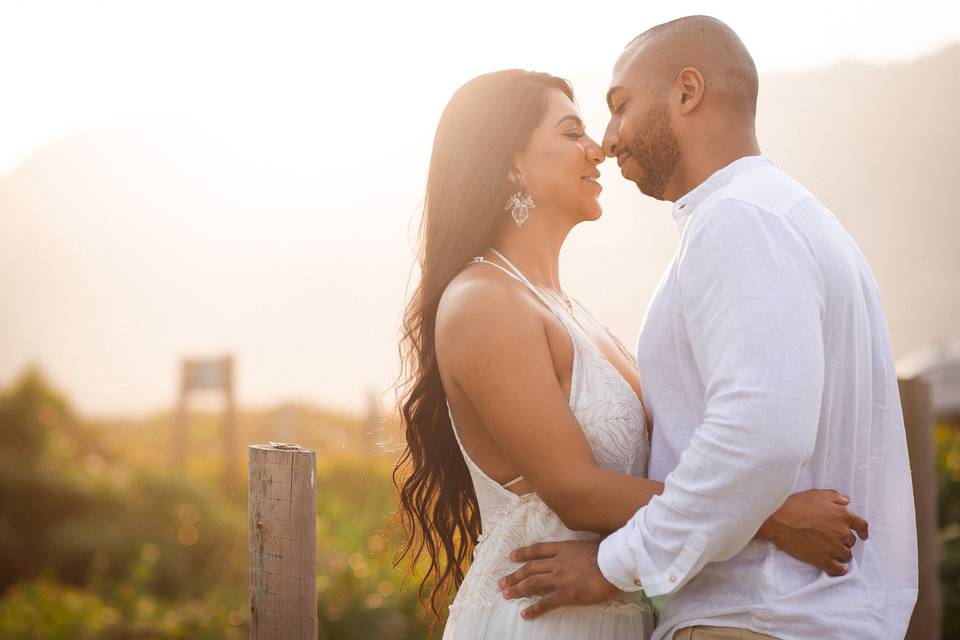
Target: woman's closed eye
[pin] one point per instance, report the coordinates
(574, 134)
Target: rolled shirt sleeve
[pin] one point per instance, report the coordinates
(751, 296)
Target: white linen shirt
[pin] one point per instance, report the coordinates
(768, 370)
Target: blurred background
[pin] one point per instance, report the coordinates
(198, 180)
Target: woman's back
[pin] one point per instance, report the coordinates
(611, 417)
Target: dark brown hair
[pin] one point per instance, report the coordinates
(487, 122)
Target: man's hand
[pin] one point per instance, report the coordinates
(566, 573)
(816, 527)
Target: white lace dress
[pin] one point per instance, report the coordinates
(613, 421)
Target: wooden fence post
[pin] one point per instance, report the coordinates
(230, 470)
(283, 542)
(918, 420)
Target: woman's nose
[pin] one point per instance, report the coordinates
(595, 153)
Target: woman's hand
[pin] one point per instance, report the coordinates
(816, 527)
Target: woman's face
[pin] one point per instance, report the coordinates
(559, 164)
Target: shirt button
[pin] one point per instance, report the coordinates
(762, 618)
(637, 583)
(673, 578)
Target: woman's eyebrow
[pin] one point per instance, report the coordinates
(570, 117)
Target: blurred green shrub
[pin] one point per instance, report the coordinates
(92, 546)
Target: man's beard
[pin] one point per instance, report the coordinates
(656, 150)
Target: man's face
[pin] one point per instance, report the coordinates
(640, 134)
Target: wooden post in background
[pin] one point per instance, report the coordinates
(230, 452)
(283, 542)
(215, 374)
(179, 450)
(918, 420)
(374, 423)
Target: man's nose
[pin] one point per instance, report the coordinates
(611, 140)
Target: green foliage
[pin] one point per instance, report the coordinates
(29, 413)
(43, 609)
(100, 539)
(361, 594)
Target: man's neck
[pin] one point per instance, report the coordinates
(710, 159)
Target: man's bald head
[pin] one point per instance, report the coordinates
(706, 44)
(683, 103)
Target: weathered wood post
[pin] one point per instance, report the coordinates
(918, 420)
(283, 542)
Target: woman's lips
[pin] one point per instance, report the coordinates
(592, 180)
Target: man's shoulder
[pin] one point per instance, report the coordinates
(758, 205)
(764, 188)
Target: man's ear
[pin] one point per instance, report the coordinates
(691, 87)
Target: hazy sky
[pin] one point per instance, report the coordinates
(301, 79)
(309, 129)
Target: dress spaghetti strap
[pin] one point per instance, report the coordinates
(507, 485)
(516, 274)
(482, 260)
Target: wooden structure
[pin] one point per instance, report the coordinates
(939, 366)
(915, 398)
(201, 375)
(283, 542)
(929, 393)
(373, 423)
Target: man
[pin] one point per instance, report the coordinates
(767, 369)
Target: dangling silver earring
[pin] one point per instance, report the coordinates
(520, 204)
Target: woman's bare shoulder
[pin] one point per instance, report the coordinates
(482, 301)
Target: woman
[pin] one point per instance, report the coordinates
(523, 415)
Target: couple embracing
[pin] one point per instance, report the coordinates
(728, 495)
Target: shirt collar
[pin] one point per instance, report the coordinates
(687, 204)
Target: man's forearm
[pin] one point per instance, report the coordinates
(703, 516)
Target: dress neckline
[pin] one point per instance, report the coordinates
(580, 330)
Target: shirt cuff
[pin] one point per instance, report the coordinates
(616, 562)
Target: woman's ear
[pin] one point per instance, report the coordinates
(516, 177)
(515, 174)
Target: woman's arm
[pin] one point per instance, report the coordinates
(491, 341)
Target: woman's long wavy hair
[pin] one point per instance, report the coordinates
(486, 124)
